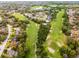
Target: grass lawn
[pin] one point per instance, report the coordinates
(31, 40)
(56, 37)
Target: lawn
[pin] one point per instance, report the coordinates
(56, 37)
(31, 40)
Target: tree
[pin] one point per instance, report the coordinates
(42, 34)
(66, 26)
(72, 49)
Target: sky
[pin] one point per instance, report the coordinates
(39, 0)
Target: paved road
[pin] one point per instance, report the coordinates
(2, 47)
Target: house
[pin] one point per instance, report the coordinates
(74, 32)
(11, 53)
(13, 43)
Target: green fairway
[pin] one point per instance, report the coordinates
(32, 32)
(56, 38)
(19, 16)
(39, 29)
